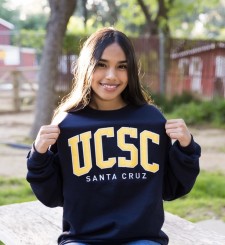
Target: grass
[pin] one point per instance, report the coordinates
(14, 190)
(221, 149)
(205, 201)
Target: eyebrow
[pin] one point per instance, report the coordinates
(120, 62)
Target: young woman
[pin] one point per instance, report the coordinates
(111, 162)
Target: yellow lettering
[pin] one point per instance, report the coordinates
(144, 137)
(122, 161)
(73, 143)
(100, 162)
(83, 140)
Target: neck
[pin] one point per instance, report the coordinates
(104, 106)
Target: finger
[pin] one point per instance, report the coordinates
(48, 142)
(174, 129)
(177, 124)
(50, 129)
(175, 132)
(174, 121)
(175, 135)
(49, 136)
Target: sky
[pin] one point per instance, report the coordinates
(28, 6)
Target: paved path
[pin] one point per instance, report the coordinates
(14, 128)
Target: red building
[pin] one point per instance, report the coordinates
(195, 66)
(13, 55)
(200, 70)
(5, 31)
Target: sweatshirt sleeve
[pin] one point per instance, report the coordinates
(45, 178)
(181, 170)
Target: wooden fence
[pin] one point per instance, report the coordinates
(18, 86)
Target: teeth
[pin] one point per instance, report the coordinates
(109, 86)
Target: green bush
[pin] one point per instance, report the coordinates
(162, 102)
(210, 113)
(219, 115)
(73, 43)
(168, 105)
(194, 111)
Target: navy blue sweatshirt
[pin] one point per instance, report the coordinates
(111, 171)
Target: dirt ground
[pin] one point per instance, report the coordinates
(14, 128)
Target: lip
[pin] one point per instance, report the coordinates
(109, 87)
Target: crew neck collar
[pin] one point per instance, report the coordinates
(107, 111)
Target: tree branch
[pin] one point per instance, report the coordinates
(152, 27)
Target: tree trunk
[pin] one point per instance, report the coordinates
(152, 25)
(61, 11)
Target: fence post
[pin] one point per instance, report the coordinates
(162, 69)
(16, 97)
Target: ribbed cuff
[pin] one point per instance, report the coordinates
(36, 156)
(188, 149)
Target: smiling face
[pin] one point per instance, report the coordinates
(109, 79)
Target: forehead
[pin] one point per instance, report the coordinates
(113, 52)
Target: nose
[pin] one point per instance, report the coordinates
(111, 74)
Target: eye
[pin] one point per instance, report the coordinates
(122, 66)
(100, 64)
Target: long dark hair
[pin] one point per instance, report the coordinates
(90, 54)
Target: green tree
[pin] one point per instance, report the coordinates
(130, 18)
(158, 20)
(212, 20)
(7, 14)
(176, 17)
(103, 12)
(185, 17)
(34, 22)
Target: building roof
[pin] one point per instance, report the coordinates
(197, 50)
(6, 24)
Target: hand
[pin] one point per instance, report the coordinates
(47, 136)
(177, 129)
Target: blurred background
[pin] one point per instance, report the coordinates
(180, 46)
